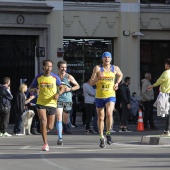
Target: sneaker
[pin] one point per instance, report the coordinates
(112, 131)
(19, 134)
(45, 147)
(1, 134)
(75, 125)
(109, 140)
(33, 132)
(60, 142)
(102, 143)
(72, 126)
(126, 130)
(89, 131)
(121, 129)
(7, 134)
(95, 131)
(165, 133)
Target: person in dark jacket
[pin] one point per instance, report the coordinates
(125, 102)
(20, 103)
(5, 106)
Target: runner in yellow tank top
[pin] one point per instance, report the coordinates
(104, 78)
(104, 87)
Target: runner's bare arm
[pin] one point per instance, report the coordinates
(119, 75)
(95, 75)
(61, 90)
(74, 82)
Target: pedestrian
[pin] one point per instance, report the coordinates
(19, 108)
(35, 126)
(5, 106)
(90, 108)
(125, 103)
(147, 98)
(118, 106)
(164, 82)
(104, 77)
(64, 106)
(47, 85)
(74, 110)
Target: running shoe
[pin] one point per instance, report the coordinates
(165, 133)
(89, 131)
(45, 147)
(60, 142)
(102, 143)
(1, 134)
(126, 130)
(109, 140)
(6, 134)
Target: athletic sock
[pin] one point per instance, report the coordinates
(59, 128)
(108, 132)
(101, 136)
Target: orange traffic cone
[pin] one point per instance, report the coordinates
(140, 126)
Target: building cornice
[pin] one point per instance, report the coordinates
(154, 8)
(19, 7)
(113, 7)
(91, 6)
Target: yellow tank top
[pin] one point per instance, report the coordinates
(104, 87)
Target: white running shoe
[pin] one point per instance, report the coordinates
(6, 134)
(45, 147)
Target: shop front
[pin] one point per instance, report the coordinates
(83, 54)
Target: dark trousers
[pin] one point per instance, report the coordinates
(90, 111)
(148, 114)
(73, 116)
(18, 124)
(167, 128)
(124, 115)
(4, 120)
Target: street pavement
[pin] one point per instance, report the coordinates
(82, 152)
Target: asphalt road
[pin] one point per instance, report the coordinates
(82, 152)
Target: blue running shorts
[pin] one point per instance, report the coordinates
(100, 103)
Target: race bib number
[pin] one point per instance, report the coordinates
(105, 87)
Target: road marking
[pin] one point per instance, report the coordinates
(93, 150)
(53, 164)
(25, 147)
(131, 143)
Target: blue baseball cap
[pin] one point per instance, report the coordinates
(106, 54)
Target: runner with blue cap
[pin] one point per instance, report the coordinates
(103, 77)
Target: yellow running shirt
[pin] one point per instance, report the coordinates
(104, 87)
(48, 88)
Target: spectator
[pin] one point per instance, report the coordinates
(147, 101)
(90, 109)
(164, 83)
(20, 103)
(5, 106)
(35, 126)
(125, 102)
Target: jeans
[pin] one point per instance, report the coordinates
(18, 124)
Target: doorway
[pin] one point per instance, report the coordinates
(17, 61)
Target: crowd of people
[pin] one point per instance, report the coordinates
(51, 98)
